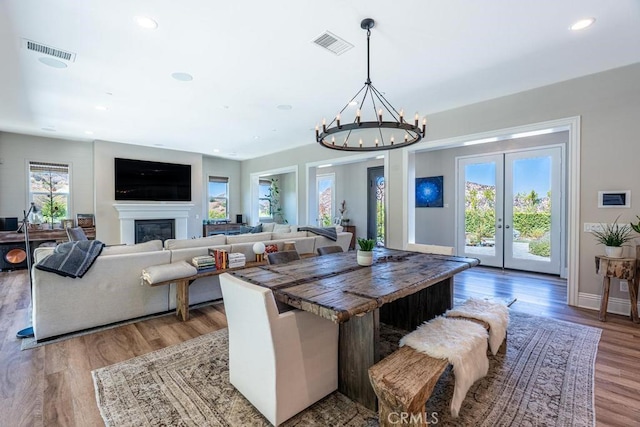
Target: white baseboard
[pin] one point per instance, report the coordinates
(616, 305)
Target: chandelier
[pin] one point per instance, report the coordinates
(388, 128)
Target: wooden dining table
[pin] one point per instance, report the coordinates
(401, 288)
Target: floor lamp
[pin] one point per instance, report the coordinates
(28, 331)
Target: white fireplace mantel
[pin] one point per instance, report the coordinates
(128, 213)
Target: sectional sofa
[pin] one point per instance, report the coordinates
(112, 290)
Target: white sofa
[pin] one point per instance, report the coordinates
(112, 290)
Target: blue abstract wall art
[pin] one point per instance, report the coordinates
(429, 192)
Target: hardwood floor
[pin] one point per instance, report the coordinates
(51, 385)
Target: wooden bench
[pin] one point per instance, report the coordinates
(404, 381)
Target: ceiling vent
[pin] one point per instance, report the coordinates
(332, 43)
(48, 50)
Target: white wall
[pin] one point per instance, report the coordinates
(107, 223)
(609, 107)
(436, 226)
(17, 150)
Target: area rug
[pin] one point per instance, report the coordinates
(545, 378)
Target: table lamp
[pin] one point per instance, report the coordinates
(258, 249)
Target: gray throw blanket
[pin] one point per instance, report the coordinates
(328, 232)
(72, 259)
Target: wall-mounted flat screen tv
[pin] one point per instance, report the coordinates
(152, 181)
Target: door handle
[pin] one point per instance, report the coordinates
(506, 226)
(500, 226)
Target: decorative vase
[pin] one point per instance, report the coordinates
(365, 258)
(613, 251)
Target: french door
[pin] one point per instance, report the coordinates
(510, 209)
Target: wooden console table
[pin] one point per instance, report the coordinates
(619, 268)
(182, 286)
(223, 228)
(39, 236)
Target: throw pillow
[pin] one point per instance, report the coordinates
(76, 234)
(257, 229)
(245, 229)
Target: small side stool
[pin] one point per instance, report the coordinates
(619, 268)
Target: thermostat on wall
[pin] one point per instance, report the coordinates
(614, 199)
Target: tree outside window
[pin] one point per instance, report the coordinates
(264, 199)
(218, 192)
(49, 191)
(326, 199)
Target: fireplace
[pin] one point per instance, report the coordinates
(130, 213)
(154, 229)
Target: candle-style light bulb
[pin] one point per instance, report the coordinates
(401, 116)
(376, 142)
(338, 119)
(333, 140)
(406, 137)
(358, 116)
(417, 118)
(324, 125)
(380, 115)
(317, 131)
(424, 125)
(392, 138)
(360, 142)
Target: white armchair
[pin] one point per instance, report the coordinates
(281, 362)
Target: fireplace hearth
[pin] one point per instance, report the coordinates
(128, 213)
(154, 229)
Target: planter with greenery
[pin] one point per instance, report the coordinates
(365, 253)
(613, 237)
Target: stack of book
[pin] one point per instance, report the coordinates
(221, 258)
(204, 262)
(237, 259)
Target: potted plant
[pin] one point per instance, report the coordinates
(613, 237)
(365, 253)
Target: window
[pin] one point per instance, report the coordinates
(218, 197)
(264, 199)
(325, 194)
(49, 191)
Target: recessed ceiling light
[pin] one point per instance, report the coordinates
(582, 24)
(216, 150)
(88, 132)
(183, 77)
(284, 107)
(146, 22)
(101, 108)
(52, 62)
(352, 103)
(256, 137)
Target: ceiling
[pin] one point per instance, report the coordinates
(259, 83)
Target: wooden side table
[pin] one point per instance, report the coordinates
(619, 268)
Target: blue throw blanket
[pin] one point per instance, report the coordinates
(72, 259)
(328, 232)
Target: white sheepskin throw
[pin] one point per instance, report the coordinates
(494, 313)
(462, 342)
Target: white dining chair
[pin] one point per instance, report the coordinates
(431, 249)
(281, 362)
